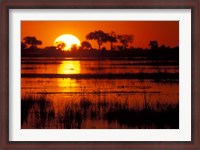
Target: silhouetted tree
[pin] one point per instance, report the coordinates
(163, 47)
(60, 45)
(74, 47)
(31, 40)
(153, 45)
(125, 39)
(23, 46)
(86, 45)
(99, 36)
(51, 51)
(112, 39)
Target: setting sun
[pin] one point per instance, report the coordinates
(68, 41)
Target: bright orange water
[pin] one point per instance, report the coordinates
(64, 92)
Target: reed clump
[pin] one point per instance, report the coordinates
(159, 116)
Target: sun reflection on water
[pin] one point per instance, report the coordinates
(67, 84)
(69, 67)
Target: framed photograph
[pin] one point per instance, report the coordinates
(100, 75)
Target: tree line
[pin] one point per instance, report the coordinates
(99, 36)
(30, 48)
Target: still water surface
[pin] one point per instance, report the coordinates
(98, 93)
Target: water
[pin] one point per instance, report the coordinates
(89, 93)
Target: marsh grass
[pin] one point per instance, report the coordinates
(39, 109)
(42, 111)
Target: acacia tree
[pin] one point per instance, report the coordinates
(99, 36)
(125, 39)
(60, 45)
(23, 45)
(112, 39)
(86, 45)
(153, 45)
(74, 47)
(32, 41)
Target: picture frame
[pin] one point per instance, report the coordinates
(103, 4)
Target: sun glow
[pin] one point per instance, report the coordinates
(66, 41)
(69, 67)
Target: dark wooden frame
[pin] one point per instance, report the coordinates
(113, 4)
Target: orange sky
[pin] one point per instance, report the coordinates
(165, 32)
